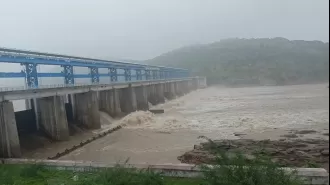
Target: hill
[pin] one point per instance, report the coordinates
(275, 61)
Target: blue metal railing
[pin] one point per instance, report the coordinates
(31, 60)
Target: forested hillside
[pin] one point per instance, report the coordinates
(276, 61)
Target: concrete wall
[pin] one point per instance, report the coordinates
(83, 107)
(53, 119)
(9, 141)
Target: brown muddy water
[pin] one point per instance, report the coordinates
(258, 113)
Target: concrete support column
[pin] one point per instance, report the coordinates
(34, 106)
(87, 110)
(185, 87)
(71, 101)
(105, 101)
(152, 98)
(109, 102)
(142, 98)
(9, 140)
(169, 91)
(178, 89)
(128, 100)
(190, 87)
(172, 90)
(116, 111)
(53, 119)
(160, 98)
(28, 104)
(195, 83)
(202, 82)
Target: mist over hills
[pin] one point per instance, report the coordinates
(262, 61)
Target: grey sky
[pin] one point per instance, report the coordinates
(143, 29)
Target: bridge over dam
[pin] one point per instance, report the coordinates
(51, 108)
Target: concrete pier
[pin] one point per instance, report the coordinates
(190, 86)
(195, 83)
(116, 111)
(55, 107)
(160, 98)
(142, 98)
(185, 87)
(109, 102)
(87, 110)
(178, 89)
(152, 97)
(106, 101)
(202, 82)
(128, 100)
(169, 91)
(156, 94)
(9, 141)
(53, 119)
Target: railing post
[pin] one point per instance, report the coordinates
(128, 76)
(31, 75)
(95, 77)
(68, 75)
(166, 74)
(32, 82)
(113, 74)
(138, 74)
(154, 74)
(161, 74)
(147, 72)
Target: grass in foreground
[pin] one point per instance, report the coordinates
(230, 169)
(238, 169)
(39, 175)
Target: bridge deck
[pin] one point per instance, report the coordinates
(46, 92)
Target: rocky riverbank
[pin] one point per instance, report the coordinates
(292, 152)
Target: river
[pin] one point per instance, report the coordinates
(216, 112)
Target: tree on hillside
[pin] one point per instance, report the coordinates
(276, 61)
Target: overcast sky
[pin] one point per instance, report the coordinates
(143, 29)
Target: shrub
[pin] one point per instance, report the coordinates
(238, 169)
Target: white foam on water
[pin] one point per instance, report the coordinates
(228, 110)
(137, 118)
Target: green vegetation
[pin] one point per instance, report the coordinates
(230, 169)
(39, 175)
(239, 170)
(264, 61)
(236, 170)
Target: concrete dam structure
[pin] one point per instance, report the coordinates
(116, 100)
(51, 109)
